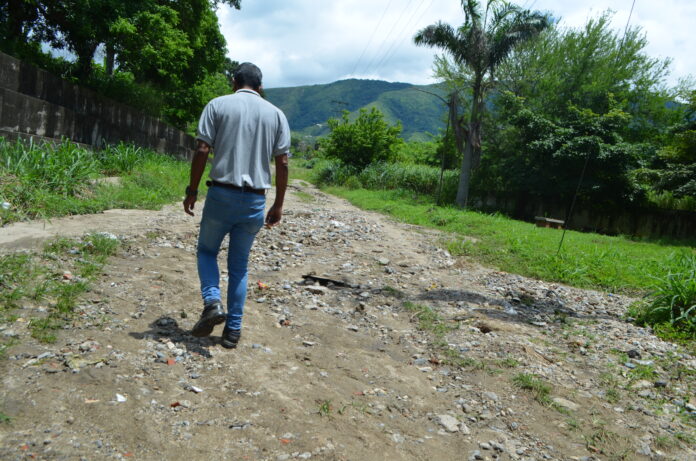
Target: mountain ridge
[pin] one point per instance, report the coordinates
(308, 107)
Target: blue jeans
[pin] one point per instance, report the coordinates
(239, 214)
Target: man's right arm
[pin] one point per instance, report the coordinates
(200, 157)
(275, 213)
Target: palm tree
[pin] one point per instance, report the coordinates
(487, 37)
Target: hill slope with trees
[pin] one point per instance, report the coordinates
(309, 107)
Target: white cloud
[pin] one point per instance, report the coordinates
(311, 41)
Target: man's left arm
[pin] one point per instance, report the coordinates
(275, 213)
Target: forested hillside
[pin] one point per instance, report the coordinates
(309, 107)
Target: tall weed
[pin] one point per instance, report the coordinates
(121, 158)
(60, 168)
(673, 298)
(422, 179)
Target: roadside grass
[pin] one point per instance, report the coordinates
(671, 305)
(325, 407)
(298, 170)
(55, 278)
(46, 180)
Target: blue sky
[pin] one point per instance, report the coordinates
(303, 42)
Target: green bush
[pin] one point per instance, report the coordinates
(353, 182)
(363, 141)
(672, 301)
(418, 178)
(332, 172)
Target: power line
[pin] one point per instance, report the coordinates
(386, 39)
(397, 44)
(628, 21)
(369, 42)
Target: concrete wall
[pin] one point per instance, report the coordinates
(34, 103)
(643, 223)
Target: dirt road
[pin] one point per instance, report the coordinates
(501, 367)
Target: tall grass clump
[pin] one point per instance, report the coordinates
(670, 308)
(121, 158)
(422, 179)
(42, 180)
(60, 168)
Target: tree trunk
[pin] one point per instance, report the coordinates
(109, 59)
(472, 146)
(460, 135)
(85, 55)
(15, 20)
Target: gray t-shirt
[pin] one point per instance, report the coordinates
(245, 132)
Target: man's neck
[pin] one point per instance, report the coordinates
(247, 88)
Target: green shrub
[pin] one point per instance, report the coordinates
(367, 139)
(332, 172)
(353, 182)
(671, 305)
(422, 179)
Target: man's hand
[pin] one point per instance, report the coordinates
(189, 203)
(274, 216)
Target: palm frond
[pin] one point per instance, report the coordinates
(440, 35)
(444, 36)
(472, 10)
(512, 28)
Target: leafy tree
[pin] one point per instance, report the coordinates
(172, 48)
(550, 155)
(539, 143)
(675, 167)
(589, 66)
(151, 45)
(367, 139)
(487, 37)
(17, 18)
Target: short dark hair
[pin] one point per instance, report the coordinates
(248, 74)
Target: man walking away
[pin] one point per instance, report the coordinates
(245, 132)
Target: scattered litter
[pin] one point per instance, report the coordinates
(120, 398)
(261, 285)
